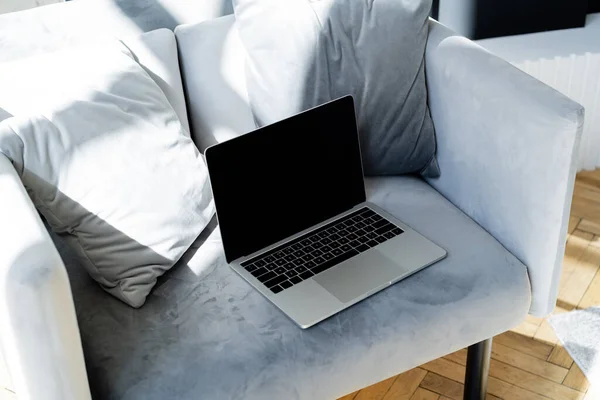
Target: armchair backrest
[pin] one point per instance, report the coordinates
(212, 69)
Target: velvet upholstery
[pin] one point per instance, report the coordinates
(162, 351)
(206, 333)
(506, 142)
(507, 151)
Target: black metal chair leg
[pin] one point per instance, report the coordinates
(478, 366)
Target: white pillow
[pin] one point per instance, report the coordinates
(106, 161)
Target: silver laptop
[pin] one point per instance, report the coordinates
(295, 223)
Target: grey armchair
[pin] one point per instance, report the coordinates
(506, 146)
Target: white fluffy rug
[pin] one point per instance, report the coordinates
(579, 332)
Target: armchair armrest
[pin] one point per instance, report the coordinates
(506, 150)
(40, 336)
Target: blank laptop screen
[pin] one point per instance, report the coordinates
(280, 179)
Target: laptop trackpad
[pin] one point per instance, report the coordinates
(359, 275)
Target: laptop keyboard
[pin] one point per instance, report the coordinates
(317, 251)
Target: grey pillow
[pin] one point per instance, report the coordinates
(302, 53)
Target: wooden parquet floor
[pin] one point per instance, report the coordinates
(528, 362)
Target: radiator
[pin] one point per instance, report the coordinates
(577, 76)
(569, 61)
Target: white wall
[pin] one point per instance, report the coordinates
(569, 61)
(7, 6)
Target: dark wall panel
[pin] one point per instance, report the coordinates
(479, 19)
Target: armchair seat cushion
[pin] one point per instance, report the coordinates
(205, 333)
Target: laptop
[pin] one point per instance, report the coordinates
(295, 224)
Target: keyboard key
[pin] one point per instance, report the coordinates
(291, 272)
(397, 231)
(298, 253)
(335, 236)
(319, 260)
(251, 267)
(325, 249)
(333, 229)
(389, 235)
(326, 241)
(363, 247)
(336, 252)
(351, 236)
(372, 243)
(343, 241)
(271, 266)
(299, 261)
(348, 222)
(360, 225)
(380, 223)
(360, 232)
(345, 248)
(327, 256)
(323, 234)
(259, 272)
(317, 245)
(296, 246)
(377, 217)
(279, 254)
(351, 229)
(363, 239)
(334, 261)
(246, 263)
(381, 239)
(334, 245)
(265, 277)
(368, 213)
(289, 266)
(275, 281)
(288, 250)
(308, 257)
(340, 227)
(317, 253)
(286, 284)
(289, 257)
(314, 238)
(276, 289)
(306, 275)
(355, 243)
(300, 269)
(371, 235)
(279, 270)
(269, 259)
(368, 228)
(308, 249)
(384, 229)
(259, 263)
(295, 280)
(309, 264)
(357, 218)
(280, 262)
(306, 242)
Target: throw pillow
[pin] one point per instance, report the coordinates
(105, 159)
(302, 53)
